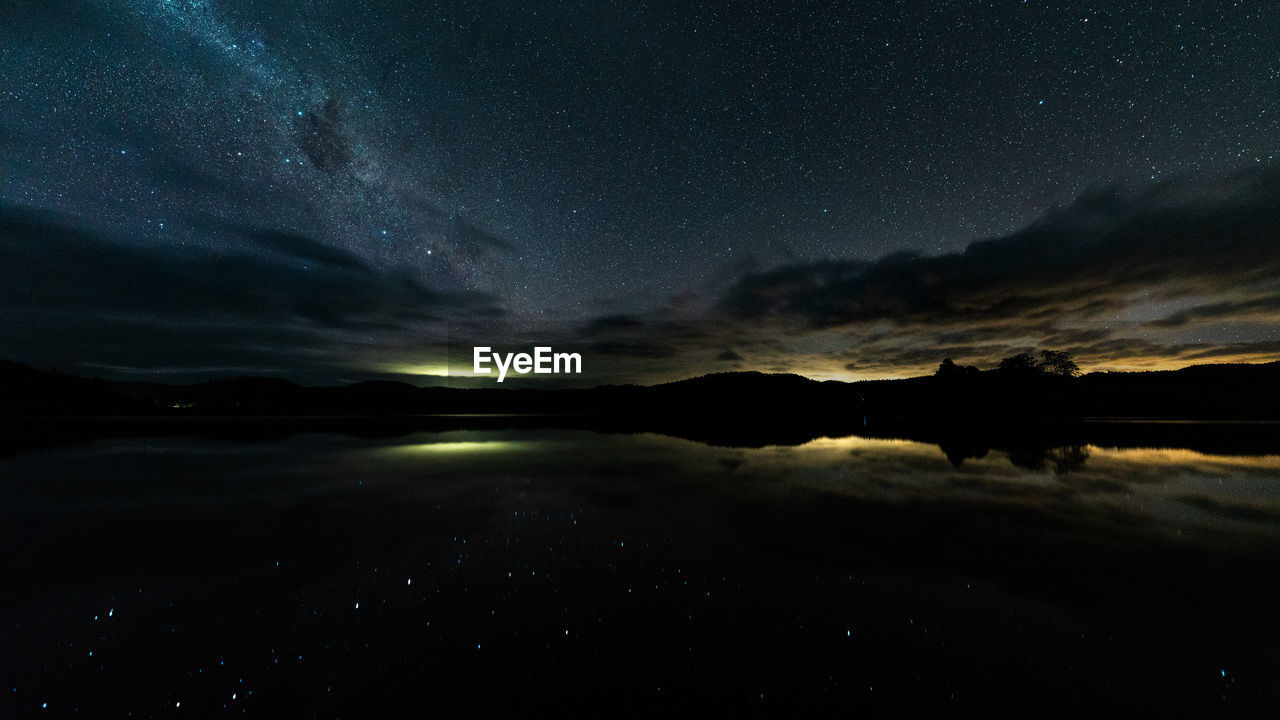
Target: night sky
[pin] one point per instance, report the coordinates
(329, 192)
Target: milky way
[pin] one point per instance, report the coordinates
(329, 192)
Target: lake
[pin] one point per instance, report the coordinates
(319, 574)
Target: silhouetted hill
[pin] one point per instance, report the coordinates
(748, 380)
(27, 391)
(738, 401)
(1218, 391)
(1203, 391)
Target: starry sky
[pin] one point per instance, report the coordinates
(332, 191)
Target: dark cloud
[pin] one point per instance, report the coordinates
(1083, 260)
(638, 349)
(1266, 307)
(1110, 277)
(1074, 336)
(476, 240)
(1229, 350)
(606, 324)
(1115, 278)
(307, 250)
(72, 294)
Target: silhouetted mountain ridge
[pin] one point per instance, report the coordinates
(1236, 391)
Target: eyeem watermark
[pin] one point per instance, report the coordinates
(541, 362)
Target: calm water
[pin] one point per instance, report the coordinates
(322, 575)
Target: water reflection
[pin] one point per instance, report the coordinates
(1162, 491)
(330, 575)
(460, 446)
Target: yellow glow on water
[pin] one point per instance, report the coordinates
(857, 441)
(1184, 457)
(837, 448)
(461, 446)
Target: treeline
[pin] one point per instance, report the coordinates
(1051, 362)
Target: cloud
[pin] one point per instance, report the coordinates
(71, 294)
(639, 349)
(1119, 276)
(606, 324)
(1265, 308)
(1170, 275)
(1083, 260)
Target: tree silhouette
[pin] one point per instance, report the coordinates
(949, 369)
(1058, 362)
(1021, 362)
